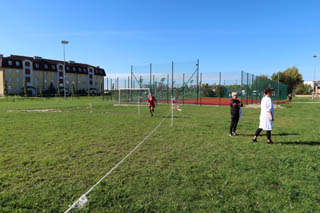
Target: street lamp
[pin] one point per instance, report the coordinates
(63, 42)
(314, 77)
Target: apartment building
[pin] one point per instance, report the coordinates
(37, 73)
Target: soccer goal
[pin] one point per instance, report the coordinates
(133, 95)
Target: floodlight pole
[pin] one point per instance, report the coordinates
(63, 42)
(314, 77)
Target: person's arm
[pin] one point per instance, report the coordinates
(270, 116)
(155, 101)
(269, 109)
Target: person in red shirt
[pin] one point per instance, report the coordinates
(152, 103)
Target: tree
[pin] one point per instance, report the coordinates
(290, 77)
(303, 89)
(6, 88)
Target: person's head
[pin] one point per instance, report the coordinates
(268, 92)
(150, 93)
(234, 95)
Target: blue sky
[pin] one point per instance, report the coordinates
(257, 36)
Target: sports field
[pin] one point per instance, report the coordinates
(50, 157)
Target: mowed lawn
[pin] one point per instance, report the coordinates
(49, 159)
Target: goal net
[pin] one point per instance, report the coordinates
(133, 95)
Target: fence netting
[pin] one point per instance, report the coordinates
(187, 85)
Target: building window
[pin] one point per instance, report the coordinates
(17, 88)
(9, 88)
(74, 69)
(67, 75)
(9, 71)
(37, 66)
(61, 81)
(27, 72)
(27, 79)
(90, 82)
(17, 63)
(53, 67)
(46, 66)
(18, 72)
(36, 73)
(67, 82)
(27, 63)
(61, 67)
(17, 80)
(10, 63)
(52, 74)
(80, 69)
(68, 68)
(10, 80)
(45, 81)
(61, 74)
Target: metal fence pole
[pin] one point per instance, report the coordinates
(172, 67)
(111, 89)
(252, 89)
(200, 88)
(247, 88)
(183, 89)
(219, 88)
(198, 81)
(241, 85)
(131, 84)
(151, 85)
(154, 87)
(167, 88)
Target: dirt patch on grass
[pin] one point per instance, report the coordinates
(36, 110)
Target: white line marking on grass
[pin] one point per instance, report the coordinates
(82, 200)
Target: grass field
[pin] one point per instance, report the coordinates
(49, 159)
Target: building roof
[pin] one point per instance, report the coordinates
(49, 64)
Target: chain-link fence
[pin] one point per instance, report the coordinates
(187, 85)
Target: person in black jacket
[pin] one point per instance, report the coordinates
(235, 105)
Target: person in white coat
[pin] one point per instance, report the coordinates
(266, 116)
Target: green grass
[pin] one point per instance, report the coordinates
(48, 160)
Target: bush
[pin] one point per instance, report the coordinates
(303, 89)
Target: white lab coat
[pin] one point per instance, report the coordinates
(266, 106)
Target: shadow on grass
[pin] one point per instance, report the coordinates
(309, 143)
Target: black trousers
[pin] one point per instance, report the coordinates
(234, 123)
(260, 130)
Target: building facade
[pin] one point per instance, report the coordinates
(315, 86)
(39, 74)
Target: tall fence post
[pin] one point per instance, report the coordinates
(247, 88)
(241, 86)
(172, 67)
(183, 86)
(111, 89)
(167, 88)
(131, 83)
(219, 89)
(151, 85)
(200, 89)
(252, 89)
(154, 87)
(198, 81)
